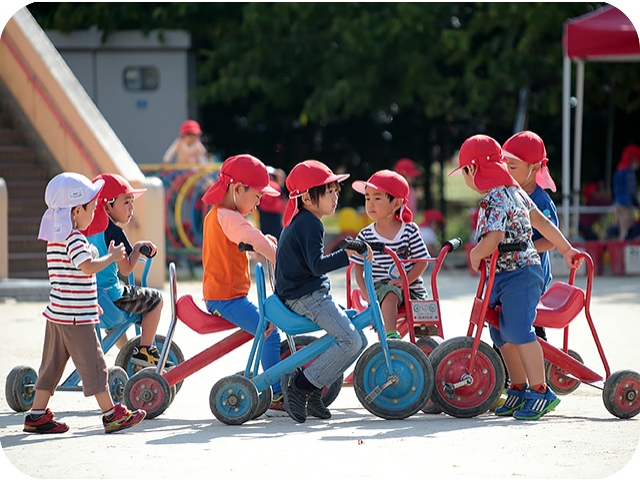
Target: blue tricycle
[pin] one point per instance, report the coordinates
(20, 384)
(392, 379)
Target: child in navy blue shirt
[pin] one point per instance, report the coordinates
(303, 285)
(527, 161)
(507, 214)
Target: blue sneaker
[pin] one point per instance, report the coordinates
(536, 405)
(515, 401)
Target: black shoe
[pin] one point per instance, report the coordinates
(295, 400)
(316, 407)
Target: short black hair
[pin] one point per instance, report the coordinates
(316, 192)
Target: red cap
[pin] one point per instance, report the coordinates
(388, 182)
(306, 175)
(485, 153)
(430, 216)
(190, 127)
(528, 147)
(245, 169)
(114, 186)
(629, 152)
(406, 167)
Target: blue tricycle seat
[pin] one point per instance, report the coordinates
(112, 316)
(279, 314)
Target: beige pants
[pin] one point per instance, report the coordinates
(624, 217)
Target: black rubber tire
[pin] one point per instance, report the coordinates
(233, 400)
(428, 344)
(404, 399)
(117, 379)
(20, 389)
(450, 361)
(123, 359)
(330, 393)
(264, 402)
(148, 391)
(557, 380)
(621, 394)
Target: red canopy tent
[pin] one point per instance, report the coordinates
(604, 35)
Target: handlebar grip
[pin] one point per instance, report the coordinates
(146, 251)
(245, 247)
(512, 247)
(455, 243)
(351, 244)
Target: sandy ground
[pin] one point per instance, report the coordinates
(580, 439)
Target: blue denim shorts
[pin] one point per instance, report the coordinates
(518, 292)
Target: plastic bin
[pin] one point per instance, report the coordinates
(625, 257)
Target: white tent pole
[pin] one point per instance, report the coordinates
(577, 145)
(566, 132)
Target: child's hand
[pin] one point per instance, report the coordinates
(368, 256)
(100, 311)
(151, 246)
(270, 328)
(272, 238)
(396, 282)
(117, 252)
(568, 258)
(475, 259)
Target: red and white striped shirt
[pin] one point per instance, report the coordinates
(74, 294)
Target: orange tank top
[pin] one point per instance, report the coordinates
(226, 269)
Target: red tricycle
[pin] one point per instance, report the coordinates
(470, 374)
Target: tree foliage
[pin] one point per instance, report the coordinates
(359, 85)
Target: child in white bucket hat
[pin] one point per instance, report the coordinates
(73, 311)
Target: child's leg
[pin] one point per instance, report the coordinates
(515, 368)
(150, 323)
(323, 311)
(41, 400)
(244, 314)
(532, 360)
(389, 308)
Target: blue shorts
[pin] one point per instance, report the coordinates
(518, 292)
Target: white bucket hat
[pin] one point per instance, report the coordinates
(64, 192)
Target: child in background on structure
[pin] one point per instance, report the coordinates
(187, 148)
(625, 189)
(114, 208)
(303, 285)
(386, 195)
(430, 227)
(507, 214)
(242, 181)
(407, 168)
(73, 310)
(527, 163)
(271, 209)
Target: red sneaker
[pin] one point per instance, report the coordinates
(122, 418)
(44, 423)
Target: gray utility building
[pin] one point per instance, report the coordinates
(139, 83)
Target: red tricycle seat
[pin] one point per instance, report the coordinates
(559, 305)
(201, 322)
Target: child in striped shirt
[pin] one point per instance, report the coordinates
(73, 310)
(386, 195)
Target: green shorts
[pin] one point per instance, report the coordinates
(382, 288)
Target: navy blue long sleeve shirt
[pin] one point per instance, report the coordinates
(301, 265)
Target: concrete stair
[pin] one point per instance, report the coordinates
(26, 171)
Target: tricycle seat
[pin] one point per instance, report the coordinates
(112, 316)
(197, 320)
(559, 305)
(279, 314)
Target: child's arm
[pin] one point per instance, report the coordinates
(555, 236)
(485, 247)
(238, 229)
(359, 272)
(93, 265)
(171, 151)
(543, 245)
(412, 275)
(128, 263)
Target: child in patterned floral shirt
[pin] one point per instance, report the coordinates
(507, 214)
